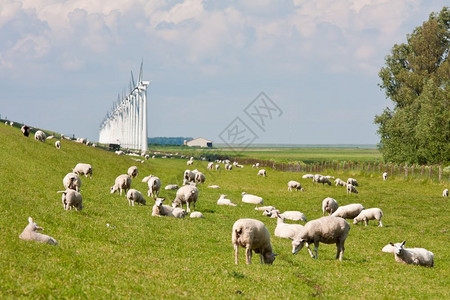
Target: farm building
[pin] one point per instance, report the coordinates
(199, 142)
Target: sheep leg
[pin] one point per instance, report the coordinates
(309, 250)
(316, 248)
(340, 250)
(187, 207)
(248, 255)
(236, 251)
(366, 222)
(380, 223)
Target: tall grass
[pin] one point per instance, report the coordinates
(140, 256)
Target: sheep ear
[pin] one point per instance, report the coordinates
(30, 220)
(403, 244)
(391, 243)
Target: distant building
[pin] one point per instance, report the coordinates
(199, 142)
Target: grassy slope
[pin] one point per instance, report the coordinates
(154, 257)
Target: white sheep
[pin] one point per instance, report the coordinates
(262, 172)
(351, 189)
(210, 166)
(257, 165)
(349, 211)
(133, 171)
(190, 162)
(154, 185)
(200, 178)
(83, 169)
(72, 181)
(412, 256)
(445, 193)
(71, 199)
(217, 167)
(369, 214)
(308, 176)
(292, 215)
(189, 176)
(57, 144)
(171, 187)
(228, 167)
(224, 201)
(252, 199)
(352, 181)
(329, 205)
(40, 136)
(25, 130)
(122, 182)
(186, 194)
(196, 214)
(328, 230)
(214, 186)
(161, 210)
(288, 231)
(385, 176)
(294, 185)
(253, 236)
(135, 196)
(263, 208)
(340, 182)
(321, 179)
(30, 234)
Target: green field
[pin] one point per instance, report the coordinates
(140, 256)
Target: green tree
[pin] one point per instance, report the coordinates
(417, 80)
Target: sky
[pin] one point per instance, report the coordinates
(288, 72)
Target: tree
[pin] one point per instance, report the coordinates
(417, 80)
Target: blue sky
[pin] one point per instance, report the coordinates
(62, 63)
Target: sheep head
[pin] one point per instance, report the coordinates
(297, 245)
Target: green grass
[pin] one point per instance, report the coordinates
(141, 256)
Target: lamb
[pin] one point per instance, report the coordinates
(213, 186)
(351, 189)
(200, 178)
(186, 194)
(369, 214)
(252, 199)
(352, 181)
(265, 208)
(445, 193)
(289, 214)
(72, 181)
(412, 256)
(327, 230)
(122, 182)
(133, 171)
(171, 187)
(294, 185)
(135, 196)
(329, 205)
(154, 185)
(253, 236)
(160, 210)
(262, 172)
(288, 231)
(308, 176)
(58, 145)
(71, 199)
(40, 136)
(349, 211)
(30, 234)
(385, 176)
(223, 201)
(196, 214)
(340, 182)
(83, 169)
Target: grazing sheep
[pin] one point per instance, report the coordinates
(349, 211)
(385, 176)
(154, 185)
(369, 214)
(217, 167)
(321, 179)
(265, 208)
(162, 210)
(30, 234)
(228, 167)
(122, 182)
(340, 182)
(257, 165)
(223, 201)
(72, 181)
(352, 181)
(58, 145)
(351, 189)
(329, 205)
(326, 230)
(200, 178)
(171, 187)
(186, 194)
(252, 199)
(135, 196)
(25, 130)
(253, 236)
(40, 136)
(262, 172)
(189, 176)
(210, 166)
(196, 214)
(213, 186)
(133, 171)
(288, 231)
(190, 162)
(308, 176)
(412, 256)
(294, 185)
(83, 169)
(71, 199)
(445, 193)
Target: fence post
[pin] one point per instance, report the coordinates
(406, 171)
(440, 173)
(431, 172)
(412, 170)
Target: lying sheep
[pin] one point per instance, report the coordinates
(252, 199)
(369, 214)
(162, 210)
(171, 187)
(135, 196)
(122, 182)
(40, 136)
(133, 171)
(262, 172)
(352, 181)
(385, 176)
(340, 182)
(200, 178)
(71, 199)
(308, 176)
(196, 214)
(186, 194)
(58, 145)
(349, 211)
(328, 230)
(72, 181)
(288, 231)
(294, 185)
(412, 256)
(154, 185)
(329, 205)
(263, 208)
(445, 193)
(223, 201)
(213, 186)
(288, 215)
(351, 189)
(253, 236)
(30, 234)
(83, 169)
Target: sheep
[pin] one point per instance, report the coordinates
(445, 193)
(257, 165)
(349, 211)
(217, 167)
(71, 199)
(289, 215)
(329, 205)
(154, 185)
(265, 208)
(240, 166)
(329, 177)
(122, 182)
(340, 182)
(213, 186)
(190, 162)
(252, 199)
(228, 167)
(188, 176)
(120, 152)
(200, 178)
(283, 230)
(160, 210)
(196, 214)
(351, 189)
(30, 234)
(369, 214)
(25, 130)
(11, 123)
(133, 171)
(186, 194)
(321, 179)
(58, 145)
(412, 256)
(385, 176)
(223, 201)
(294, 185)
(146, 156)
(135, 196)
(352, 181)
(327, 230)
(72, 181)
(210, 166)
(262, 173)
(308, 176)
(253, 236)
(40, 136)
(83, 169)
(171, 187)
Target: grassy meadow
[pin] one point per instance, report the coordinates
(140, 256)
